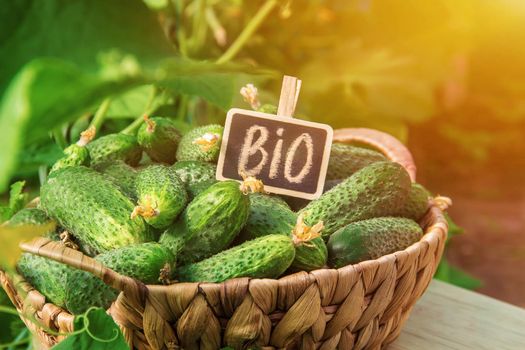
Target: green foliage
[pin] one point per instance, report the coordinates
(17, 200)
(451, 274)
(76, 31)
(94, 330)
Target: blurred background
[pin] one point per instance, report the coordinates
(447, 77)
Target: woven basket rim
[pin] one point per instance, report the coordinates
(433, 217)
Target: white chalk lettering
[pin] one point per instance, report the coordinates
(307, 139)
(249, 148)
(276, 159)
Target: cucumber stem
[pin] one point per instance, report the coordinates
(302, 234)
(59, 138)
(250, 184)
(248, 31)
(100, 114)
(131, 128)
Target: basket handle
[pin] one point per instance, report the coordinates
(57, 251)
(385, 143)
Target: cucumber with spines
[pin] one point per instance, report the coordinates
(115, 147)
(161, 195)
(201, 144)
(77, 153)
(93, 209)
(121, 174)
(159, 138)
(371, 239)
(196, 175)
(346, 159)
(212, 220)
(147, 262)
(416, 204)
(379, 189)
(264, 257)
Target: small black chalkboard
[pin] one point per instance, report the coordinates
(290, 156)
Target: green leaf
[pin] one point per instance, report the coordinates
(156, 4)
(44, 95)
(77, 31)
(99, 333)
(454, 275)
(130, 104)
(47, 93)
(17, 200)
(453, 228)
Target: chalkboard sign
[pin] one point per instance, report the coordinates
(290, 156)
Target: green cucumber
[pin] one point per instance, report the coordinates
(47, 276)
(271, 215)
(264, 257)
(416, 204)
(345, 160)
(202, 144)
(73, 155)
(371, 239)
(93, 209)
(212, 220)
(268, 215)
(310, 255)
(376, 190)
(195, 175)
(121, 174)
(147, 262)
(76, 154)
(161, 195)
(159, 138)
(115, 147)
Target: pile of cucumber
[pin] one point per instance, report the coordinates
(148, 206)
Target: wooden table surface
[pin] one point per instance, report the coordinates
(448, 317)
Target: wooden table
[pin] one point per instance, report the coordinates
(448, 317)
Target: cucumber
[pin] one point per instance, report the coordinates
(76, 154)
(115, 147)
(147, 262)
(267, 215)
(310, 255)
(161, 195)
(73, 155)
(416, 204)
(202, 144)
(93, 209)
(193, 173)
(47, 276)
(121, 174)
(376, 190)
(271, 215)
(264, 257)
(212, 220)
(371, 239)
(159, 138)
(345, 160)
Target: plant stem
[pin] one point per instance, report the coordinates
(199, 28)
(8, 310)
(248, 31)
(100, 115)
(42, 174)
(178, 5)
(21, 338)
(59, 138)
(131, 128)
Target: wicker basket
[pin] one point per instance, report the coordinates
(362, 306)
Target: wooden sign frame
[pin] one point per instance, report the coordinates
(284, 119)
